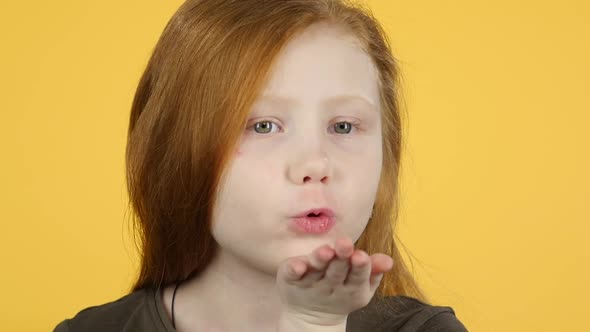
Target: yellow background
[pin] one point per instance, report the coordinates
(495, 190)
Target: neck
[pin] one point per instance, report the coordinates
(229, 296)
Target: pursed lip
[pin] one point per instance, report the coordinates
(322, 210)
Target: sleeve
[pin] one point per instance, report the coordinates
(62, 327)
(443, 322)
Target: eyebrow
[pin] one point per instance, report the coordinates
(330, 101)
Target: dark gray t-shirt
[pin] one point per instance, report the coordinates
(143, 310)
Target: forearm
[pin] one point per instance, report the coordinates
(289, 323)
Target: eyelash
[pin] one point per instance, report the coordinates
(354, 125)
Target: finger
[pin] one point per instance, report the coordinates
(380, 263)
(320, 257)
(344, 247)
(375, 281)
(360, 269)
(339, 266)
(337, 270)
(292, 269)
(319, 260)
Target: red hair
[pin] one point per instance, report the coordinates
(190, 108)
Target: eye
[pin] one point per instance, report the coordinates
(266, 126)
(263, 127)
(343, 127)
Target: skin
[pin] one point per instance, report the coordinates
(322, 288)
(267, 276)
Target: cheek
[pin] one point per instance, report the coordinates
(255, 165)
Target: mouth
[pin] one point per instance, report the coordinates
(316, 213)
(314, 221)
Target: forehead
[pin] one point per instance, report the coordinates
(322, 65)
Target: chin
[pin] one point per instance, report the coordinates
(305, 245)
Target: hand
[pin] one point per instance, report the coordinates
(323, 287)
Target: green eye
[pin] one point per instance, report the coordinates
(345, 127)
(263, 127)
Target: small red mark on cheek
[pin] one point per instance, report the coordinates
(238, 152)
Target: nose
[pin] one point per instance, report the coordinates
(309, 168)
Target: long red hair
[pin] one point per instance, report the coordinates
(189, 111)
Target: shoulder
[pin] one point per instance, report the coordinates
(131, 312)
(404, 314)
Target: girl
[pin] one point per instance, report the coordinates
(262, 165)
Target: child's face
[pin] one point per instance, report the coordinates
(279, 169)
